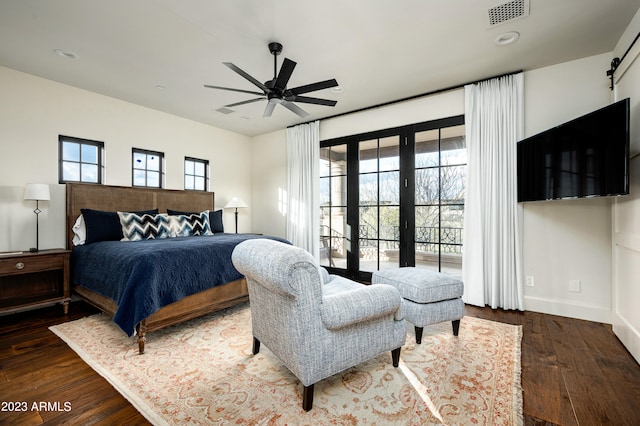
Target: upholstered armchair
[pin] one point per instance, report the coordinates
(317, 324)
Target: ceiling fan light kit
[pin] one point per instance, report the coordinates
(275, 90)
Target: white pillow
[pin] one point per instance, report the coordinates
(79, 231)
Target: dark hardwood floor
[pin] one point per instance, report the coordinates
(573, 373)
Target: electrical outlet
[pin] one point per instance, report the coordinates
(574, 286)
(529, 282)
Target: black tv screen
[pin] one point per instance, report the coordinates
(585, 157)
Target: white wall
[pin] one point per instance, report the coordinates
(269, 183)
(567, 239)
(34, 111)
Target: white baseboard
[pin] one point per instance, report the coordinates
(569, 309)
(628, 335)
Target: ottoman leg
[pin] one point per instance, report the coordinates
(418, 335)
(456, 326)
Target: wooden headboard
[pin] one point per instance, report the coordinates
(123, 198)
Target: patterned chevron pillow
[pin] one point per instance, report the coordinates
(186, 225)
(145, 227)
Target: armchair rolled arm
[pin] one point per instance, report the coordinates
(362, 304)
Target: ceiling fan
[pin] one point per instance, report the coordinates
(275, 90)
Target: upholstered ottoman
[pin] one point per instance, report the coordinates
(428, 297)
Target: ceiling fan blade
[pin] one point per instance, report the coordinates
(314, 86)
(269, 109)
(285, 73)
(247, 76)
(245, 102)
(233, 90)
(315, 101)
(294, 108)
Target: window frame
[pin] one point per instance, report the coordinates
(407, 190)
(89, 142)
(160, 170)
(205, 163)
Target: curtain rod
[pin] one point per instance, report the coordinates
(433, 92)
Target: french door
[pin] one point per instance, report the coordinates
(393, 198)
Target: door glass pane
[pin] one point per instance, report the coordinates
(368, 156)
(427, 237)
(389, 154)
(453, 146)
(427, 186)
(369, 189)
(379, 203)
(427, 148)
(325, 163)
(453, 184)
(389, 188)
(333, 227)
(440, 179)
(325, 191)
(339, 191)
(333, 211)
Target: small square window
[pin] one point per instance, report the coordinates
(147, 168)
(196, 174)
(80, 160)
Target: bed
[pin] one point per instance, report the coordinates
(136, 309)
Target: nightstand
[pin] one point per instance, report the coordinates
(32, 280)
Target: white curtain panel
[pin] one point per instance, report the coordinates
(492, 252)
(303, 187)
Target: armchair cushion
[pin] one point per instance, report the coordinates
(362, 304)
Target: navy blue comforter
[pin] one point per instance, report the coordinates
(143, 276)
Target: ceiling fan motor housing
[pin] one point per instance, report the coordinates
(275, 48)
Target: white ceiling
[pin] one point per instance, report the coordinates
(378, 50)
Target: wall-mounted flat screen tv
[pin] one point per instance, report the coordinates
(585, 157)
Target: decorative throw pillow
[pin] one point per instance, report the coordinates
(187, 225)
(105, 226)
(215, 219)
(145, 227)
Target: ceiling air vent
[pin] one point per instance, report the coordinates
(225, 110)
(508, 11)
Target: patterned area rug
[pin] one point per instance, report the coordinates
(203, 372)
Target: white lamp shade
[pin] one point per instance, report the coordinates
(235, 202)
(37, 191)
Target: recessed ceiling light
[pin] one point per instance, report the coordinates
(507, 38)
(67, 54)
(159, 87)
(336, 89)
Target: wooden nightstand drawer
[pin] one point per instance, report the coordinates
(30, 264)
(30, 280)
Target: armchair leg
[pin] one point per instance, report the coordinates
(456, 327)
(256, 346)
(395, 357)
(419, 335)
(307, 398)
